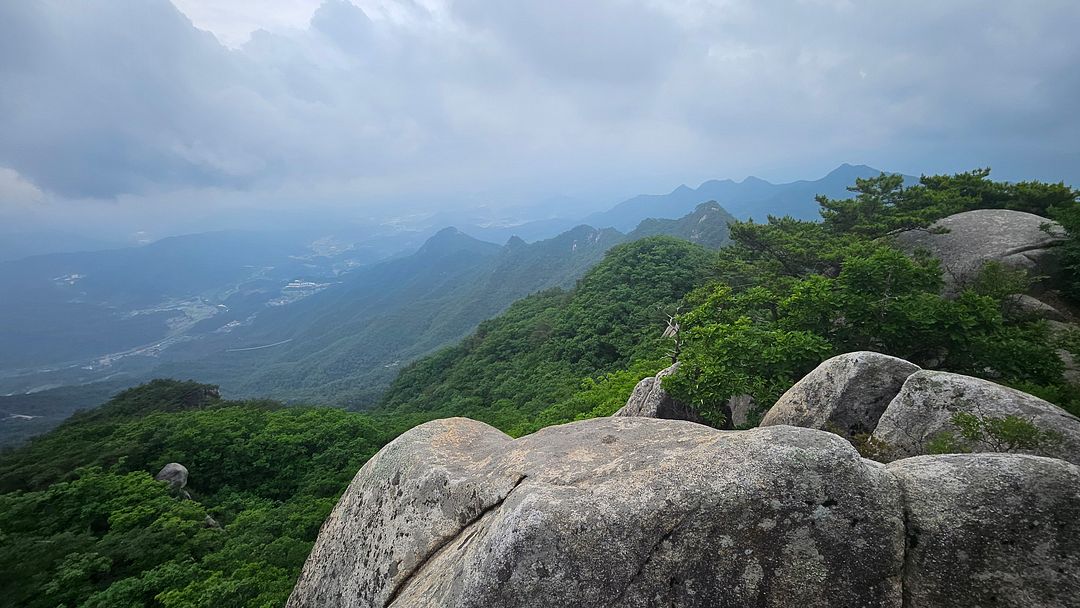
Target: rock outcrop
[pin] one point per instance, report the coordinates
(637, 512)
(175, 474)
(650, 400)
(1025, 305)
(611, 512)
(990, 530)
(1013, 238)
(845, 394)
(905, 408)
(739, 411)
(925, 405)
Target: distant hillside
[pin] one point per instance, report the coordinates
(66, 309)
(750, 198)
(536, 355)
(16, 245)
(345, 345)
(707, 225)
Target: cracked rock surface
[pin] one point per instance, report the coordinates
(611, 512)
(990, 530)
(640, 512)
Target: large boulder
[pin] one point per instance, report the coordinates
(1027, 306)
(620, 511)
(636, 512)
(1013, 238)
(175, 474)
(845, 394)
(925, 405)
(990, 530)
(650, 400)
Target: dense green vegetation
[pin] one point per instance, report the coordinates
(535, 357)
(791, 293)
(83, 523)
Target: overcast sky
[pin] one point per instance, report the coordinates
(169, 114)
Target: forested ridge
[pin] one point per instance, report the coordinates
(83, 523)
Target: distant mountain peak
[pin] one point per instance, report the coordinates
(847, 169)
(451, 240)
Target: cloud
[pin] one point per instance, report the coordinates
(442, 101)
(16, 192)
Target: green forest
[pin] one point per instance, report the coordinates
(83, 523)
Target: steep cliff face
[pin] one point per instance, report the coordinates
(644, 512)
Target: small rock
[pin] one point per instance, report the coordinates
(650, 400)
(175, 474)
(738, 411)
(1031, 307)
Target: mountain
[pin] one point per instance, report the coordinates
(70, 318)
(536, 355)
(707, 225)
(345, 341)
(316, 319)
(750, 198)
(345, 345)
(86, 522)
(18, 245)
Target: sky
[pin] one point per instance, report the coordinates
(146, 115)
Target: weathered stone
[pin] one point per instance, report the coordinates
(1072, 366)
(411, 499)
(845, 394)
(990, 530)
(650, 400)
(1028, 306)
(175, 474)
(739, 411)
(1014, 238)
(628, 512)
(925, 405)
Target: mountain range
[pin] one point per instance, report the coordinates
(303, 317)
(342, 344)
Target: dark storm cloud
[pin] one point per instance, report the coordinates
(127, 100)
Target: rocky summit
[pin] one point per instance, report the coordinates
(644, 512)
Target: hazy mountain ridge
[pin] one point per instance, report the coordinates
(288, 330)
(750, 198)
(344, 344)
